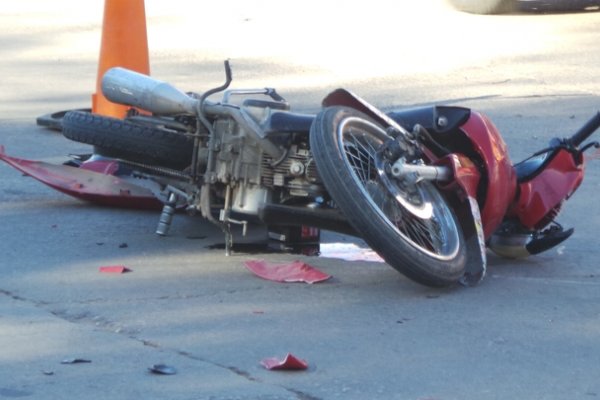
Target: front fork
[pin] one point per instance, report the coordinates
(458, 177)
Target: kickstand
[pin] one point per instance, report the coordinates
(228, 238)
(205, 209)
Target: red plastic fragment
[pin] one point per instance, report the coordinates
(87, 184)
(296, 271)
(114, 269)
(290, 362)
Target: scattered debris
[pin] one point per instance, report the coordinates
(349, 252)
(296, 271)
(290, 362)
(114, 269)
(75, 361)
(87, 184)
(162, 369)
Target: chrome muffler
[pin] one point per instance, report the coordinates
(131, 88)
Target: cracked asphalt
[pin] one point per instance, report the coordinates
(530, 330)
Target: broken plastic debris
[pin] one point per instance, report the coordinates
(162, 369)
(114, 269)
(349, 252)
(296, 271)
(75, 361)
(86, 184)
(290, 362)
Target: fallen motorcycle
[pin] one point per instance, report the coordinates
(428, 188)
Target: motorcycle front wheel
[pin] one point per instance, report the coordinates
(412, 228)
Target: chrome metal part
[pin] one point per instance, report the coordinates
(131, 88)
(271, 92)
(166, 217)
(510, 244)
(401, 169)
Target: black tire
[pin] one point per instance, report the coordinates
(484, 6)
(130, 141)
(429, 249)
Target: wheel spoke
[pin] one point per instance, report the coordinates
(361, 150)
(360, 155)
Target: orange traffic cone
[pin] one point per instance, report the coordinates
(124, 44)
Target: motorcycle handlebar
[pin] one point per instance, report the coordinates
(586, 130)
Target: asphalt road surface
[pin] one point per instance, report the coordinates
(530, 331)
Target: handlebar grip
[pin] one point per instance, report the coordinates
(586, 130)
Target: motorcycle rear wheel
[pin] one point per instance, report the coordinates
(429, 249)
(141, 143)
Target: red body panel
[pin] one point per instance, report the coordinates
(466, 174)
(501, 178)
(559, 179)
(86, 184)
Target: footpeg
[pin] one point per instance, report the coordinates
(166, 217)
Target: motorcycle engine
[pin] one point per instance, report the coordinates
(256, 177)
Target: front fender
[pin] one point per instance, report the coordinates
(462, 191)
(344, 97)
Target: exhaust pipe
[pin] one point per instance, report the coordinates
(127, 87)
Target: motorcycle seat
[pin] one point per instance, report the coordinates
(288, 122)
